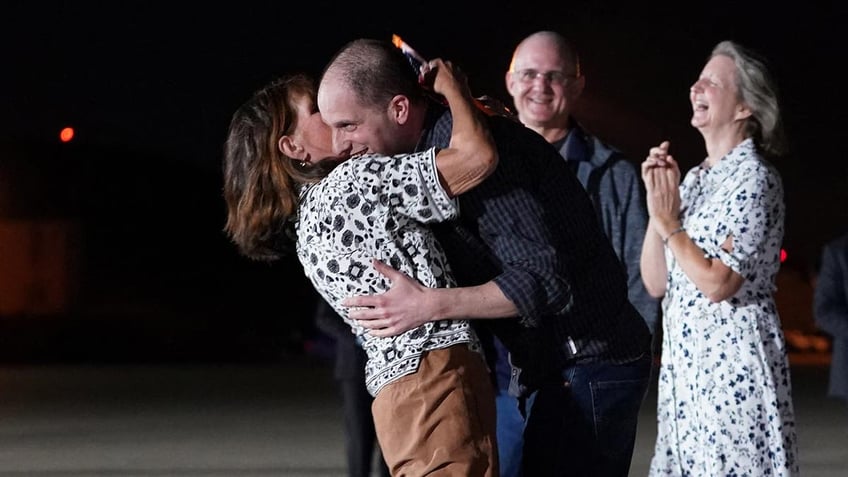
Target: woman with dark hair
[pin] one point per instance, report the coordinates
(282, 182)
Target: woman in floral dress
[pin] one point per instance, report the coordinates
(712, 250)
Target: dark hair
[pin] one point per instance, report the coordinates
(260, 182)
(376, 71)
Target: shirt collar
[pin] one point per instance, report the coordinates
(576, 148)
(728, 164)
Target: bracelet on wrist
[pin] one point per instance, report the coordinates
(672, 234)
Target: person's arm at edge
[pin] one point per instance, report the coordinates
(829, 300)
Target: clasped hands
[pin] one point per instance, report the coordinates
(661, 175)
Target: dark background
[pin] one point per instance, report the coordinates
(150, 87)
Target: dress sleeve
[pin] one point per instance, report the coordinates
(749, 212)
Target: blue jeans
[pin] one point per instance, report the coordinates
(510, 433)
(582, 426)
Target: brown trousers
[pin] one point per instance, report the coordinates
(439, 421)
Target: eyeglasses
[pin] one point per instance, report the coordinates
(529, 75)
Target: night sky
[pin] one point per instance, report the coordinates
(150, 87)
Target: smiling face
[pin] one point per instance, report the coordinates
(715, 96)
(543, 85)
(358, 128)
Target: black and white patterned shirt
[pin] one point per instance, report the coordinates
(379, 207)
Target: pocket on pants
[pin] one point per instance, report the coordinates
(616, 405)
(617, 402)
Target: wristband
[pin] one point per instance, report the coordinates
(672, 234)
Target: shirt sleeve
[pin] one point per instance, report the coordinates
(409, 184)
(538, 236)
(531, 278)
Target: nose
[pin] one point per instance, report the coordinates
(696, 87)
(542, 78)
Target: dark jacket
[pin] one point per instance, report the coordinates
(531, 228)
(831, 310)
(616, 191)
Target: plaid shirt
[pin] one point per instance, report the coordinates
(532, 229)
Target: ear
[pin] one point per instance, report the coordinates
(742, 112)
(399, 109)
(510, 82)
(287, 146)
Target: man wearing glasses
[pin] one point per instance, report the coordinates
(545, 83)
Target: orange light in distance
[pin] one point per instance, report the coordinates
(66, 134)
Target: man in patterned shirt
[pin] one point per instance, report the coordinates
(531, 258)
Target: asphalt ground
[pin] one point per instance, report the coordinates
(258, 420)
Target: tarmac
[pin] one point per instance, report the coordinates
(261, 420)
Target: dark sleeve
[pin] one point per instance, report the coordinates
(830, 300)
(526, 225)
(635, 222)
(531, 228)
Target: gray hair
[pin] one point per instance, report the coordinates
(759, 91)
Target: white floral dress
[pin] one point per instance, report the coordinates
(724, 400)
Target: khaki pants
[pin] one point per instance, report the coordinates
(439, 421)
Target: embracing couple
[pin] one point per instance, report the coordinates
(437, 227)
